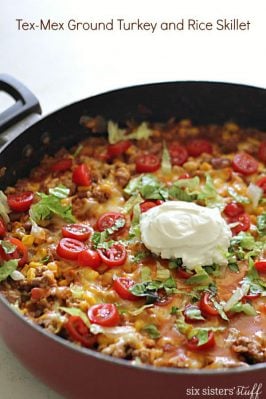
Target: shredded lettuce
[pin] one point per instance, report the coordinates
(152, 330)
(50, 205)
(60, 191)
(4, 208)
(76, 312)
(115, 134)
(246, 308)
(237, 197)
(209, 195)
(7, 268)
(166, 164)
(194, 313)
(201, 277)
(261, 224)
(239, 293)
(8, 247)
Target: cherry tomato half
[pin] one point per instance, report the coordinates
(62, 165)
(184, 176)
(207, 306)
(234, 209)
(192, 344)
(245, 163)
(38, 293)
(262, 151)
(104, 314)
(2, 228)
(20, 202)
(250, 296)
(80, 232)
(108, 219)
(89, 258)
(262, 183)
(162, 298)
(69, 248)
(114, 150)
(114, 256)
(260, 265)
(21, 252)
(121, 285)
(79, 332)
(178, 154)
(147, 163)
(81, 175)
(197, 147)
(183, 273)
(243, 225)
(146, 205)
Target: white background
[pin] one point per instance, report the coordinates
(62, 67)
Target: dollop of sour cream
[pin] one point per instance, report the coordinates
(177, 229)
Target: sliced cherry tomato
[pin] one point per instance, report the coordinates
(80, 232)
(108, 220)
(89, 258)
(206, 306)
(250, 296)
(262, 183)
(243, 223)
(234, 209)
(147, 163)
(189, 310)
(245, 163)
(121, 285)
(79, 332)
(2, 228)
(69, 248)
(38, 293)
(184, 176)
(162, 298)
(62, 165)
(81, 175)
(178, 154)
(146, 205)
(260, 265)
(183, 273)
(192, 344)
(104, 314)
(197, 147)
(21, 252)
(20, 202)
(114, 150)
(262, 151)
(114, 256)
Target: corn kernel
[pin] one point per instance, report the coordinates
(89, 297)
(253, 219)
(232, 127)
(42, 252)
(62, 283)
(31, 273)
(53, 267)
(88, 274)
(205, 166)
(104, 340)
(139, 324)
(35, 264)
(28, 240)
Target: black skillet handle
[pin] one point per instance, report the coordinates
(26, 102)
